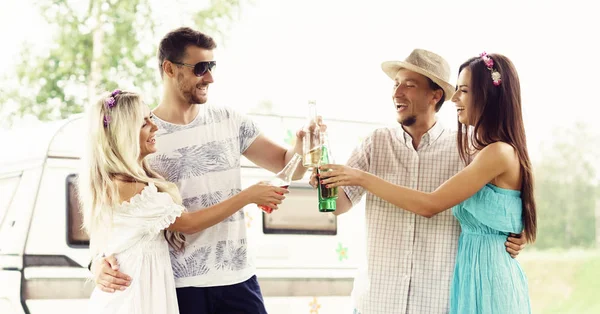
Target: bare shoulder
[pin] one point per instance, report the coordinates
(502, 148)
(499, 152)
(127, 190)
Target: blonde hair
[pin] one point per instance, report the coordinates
(113, 148)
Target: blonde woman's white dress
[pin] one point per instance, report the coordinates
(137, 241)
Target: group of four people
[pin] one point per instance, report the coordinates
(163, 204)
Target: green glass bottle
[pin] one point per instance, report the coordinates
(327, 196)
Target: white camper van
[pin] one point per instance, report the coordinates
(306, 260)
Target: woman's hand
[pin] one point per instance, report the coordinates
(263, 194)
(339, 175)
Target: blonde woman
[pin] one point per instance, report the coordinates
(133, 213)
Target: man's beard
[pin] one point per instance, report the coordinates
(189, 93)
(193, 100)
(408, 121)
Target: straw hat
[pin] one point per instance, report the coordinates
(425, 63)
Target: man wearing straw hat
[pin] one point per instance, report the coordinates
(410, 259)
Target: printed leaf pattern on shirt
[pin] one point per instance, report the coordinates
(168, 128)
(218, 115)
(248, 131)
(195, 161)
(215, 116)
(194, 264)
(211, 143)
(231, 255)
(210, 199)
(239, 215)
(204, 200)
(233, 192)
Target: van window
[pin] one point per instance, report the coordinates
(76, 235)
(8, 186)
(297, 219)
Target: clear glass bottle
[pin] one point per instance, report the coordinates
(327, 196)
(283, 178)
(311, 143)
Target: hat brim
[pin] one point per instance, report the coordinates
(391, 68)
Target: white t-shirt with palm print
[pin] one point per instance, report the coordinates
(203, 159)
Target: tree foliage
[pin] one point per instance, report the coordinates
(98, 45)
(567, 189)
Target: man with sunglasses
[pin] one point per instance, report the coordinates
(199, 149)
(200, 68)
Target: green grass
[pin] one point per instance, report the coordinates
(563, 281)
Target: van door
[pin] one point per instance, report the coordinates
(10, 239)
(56, 278)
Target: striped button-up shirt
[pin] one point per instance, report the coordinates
(410, 259)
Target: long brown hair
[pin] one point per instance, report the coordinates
(497, 116)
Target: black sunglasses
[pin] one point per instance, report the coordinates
(200, 68)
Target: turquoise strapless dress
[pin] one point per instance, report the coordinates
(486, 278)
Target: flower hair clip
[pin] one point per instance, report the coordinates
(489, 63)
(106, 120)
(110, 103)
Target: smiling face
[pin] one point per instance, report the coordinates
(147, 132)
(192, 88)
(414, 99)
(463, 97)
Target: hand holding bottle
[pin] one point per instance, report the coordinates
(312, 127)
(327, 195)
(265, 195)
(340, 175)
(282, 180)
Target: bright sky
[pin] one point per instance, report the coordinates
(331, 50)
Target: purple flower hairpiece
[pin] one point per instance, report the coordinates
(110, 103)
(489, 63)
(106, 120)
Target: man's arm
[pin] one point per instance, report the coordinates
(492, 161)
(349, 195)
(342, 204)
(515, 243)
(271, 156)
(260, 194)
(107, 276)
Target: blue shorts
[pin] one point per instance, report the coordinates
(241, 298)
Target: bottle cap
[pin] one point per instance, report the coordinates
(327, 205)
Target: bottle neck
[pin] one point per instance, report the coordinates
(312, 111)
(326, 156)
(288, 171)
(324, 139)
